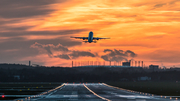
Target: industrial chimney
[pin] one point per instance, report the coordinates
(29, 63)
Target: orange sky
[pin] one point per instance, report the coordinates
(148, 28)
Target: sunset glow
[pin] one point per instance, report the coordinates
(148, 28)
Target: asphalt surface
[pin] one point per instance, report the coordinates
(94, 92)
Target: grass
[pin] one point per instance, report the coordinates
(158, 88)
(25, 88)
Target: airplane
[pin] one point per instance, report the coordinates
(90, 38)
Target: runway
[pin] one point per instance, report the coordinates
(94, 92)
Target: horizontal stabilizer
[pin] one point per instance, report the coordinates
(80, 37)
(97, 38)
(85, 41)
(90, 42)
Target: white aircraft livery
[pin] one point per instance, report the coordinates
(90, 38)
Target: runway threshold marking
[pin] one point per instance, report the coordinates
(96, 94)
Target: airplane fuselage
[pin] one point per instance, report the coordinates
(90, 37)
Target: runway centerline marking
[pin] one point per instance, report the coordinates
(96, 94)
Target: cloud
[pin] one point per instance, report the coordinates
(117, 55)
(62, 51)
(25, 8)
(63, 56)
(130, 53)
(25, 22)
(106, 50)
(174, 1)
(118, 59)
(115, 52)
(29, 3)
(45, 37)
(15, 49)
(50, 47)
(159, 5)
(76, 54)
(167, 56)
(17, 38)
(21, 31)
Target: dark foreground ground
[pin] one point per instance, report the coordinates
(158, 88)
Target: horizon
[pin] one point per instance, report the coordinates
(97, 64)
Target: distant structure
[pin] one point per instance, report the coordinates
(17, 77)
(154, 67)
(144, 78)
(29, 63)
(131, 63)
(72, 63)
(135, 63)
(126, 64)
(175, 68)
(164, 67)
(138, 63)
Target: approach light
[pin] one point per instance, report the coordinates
(3, 96)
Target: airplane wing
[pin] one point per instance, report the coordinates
(97, 38)
(80, 38)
